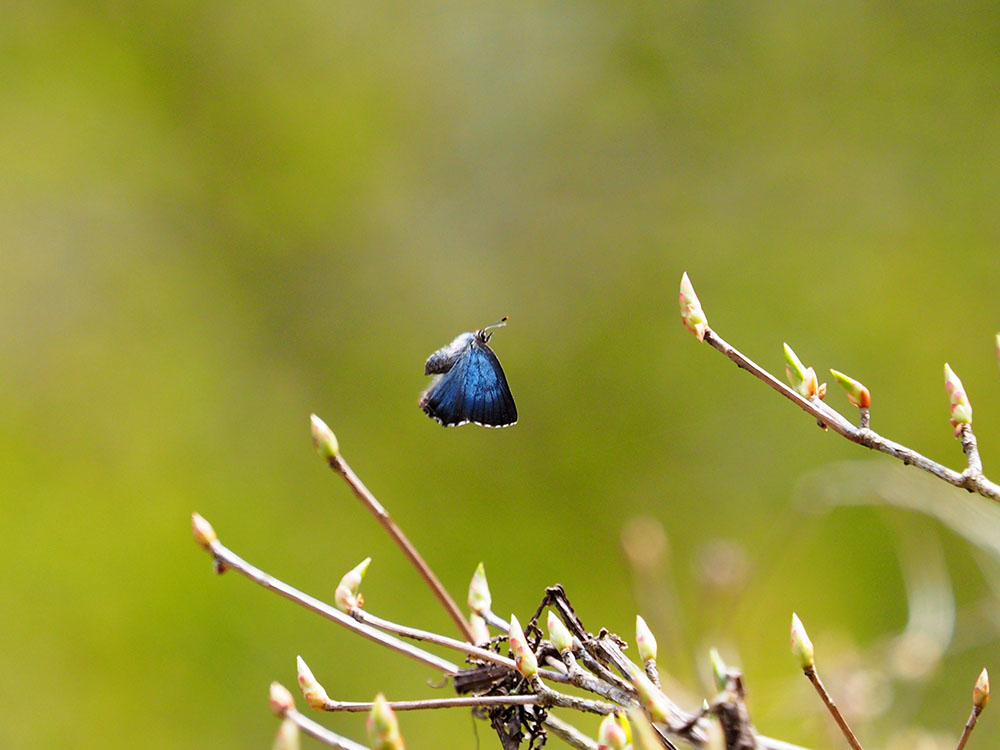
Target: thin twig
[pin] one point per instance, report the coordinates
(321, 733)
(442, 640)
(969, 726)
(587, 681)
(338, 464)
(226, 558)
(471, 701)
(549, 697)
(972, 480)
(810, 672)
(568, 733)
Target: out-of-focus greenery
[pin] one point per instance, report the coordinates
(216, 218)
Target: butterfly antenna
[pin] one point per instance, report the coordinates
(499, 324)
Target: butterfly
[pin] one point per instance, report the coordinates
(469, 384)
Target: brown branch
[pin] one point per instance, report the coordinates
(810, 672)
(568, 733)
(471, 701)
(969, 726)
(321, 733)
(972, 479)
(225, 559)
(441, 640)
(339, 465)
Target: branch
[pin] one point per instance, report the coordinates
(972, 479)
(838, 717)
(425, 635)
(226, 559)
(327, 445)
(321, 733)
(433, 703)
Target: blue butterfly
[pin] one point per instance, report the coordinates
(469, 384)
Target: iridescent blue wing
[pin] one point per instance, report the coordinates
(473, 390)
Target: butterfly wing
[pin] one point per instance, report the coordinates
(474, 390)
(488, 399)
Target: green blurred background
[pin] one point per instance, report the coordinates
(217, 218)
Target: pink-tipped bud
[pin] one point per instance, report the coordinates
(562, 639)
(280, 699)
(347, 597)
(323, 438)
(480, 631)
(203, 532)
(802, 647)
(691, 313)
(383, 728)
(287, 737)
(801, 378)
(650, 697)
(981, 692)
(611, 735)
(644, 736)
(312, 690)
(719, 670)
(479, 599)
(856, 392)
(524, 657)
(644, 640)
(961, 409)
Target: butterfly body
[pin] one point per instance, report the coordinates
(469, 384)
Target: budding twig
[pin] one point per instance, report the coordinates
(569, 734)
(321, 733)
(225, 558)
(470, 701)
(441, 640)
(803, 650)
(838, 717)
(330, 451)
(973, 481)
(980, 697)
(283, 706)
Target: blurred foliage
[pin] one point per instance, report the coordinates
(215, 219)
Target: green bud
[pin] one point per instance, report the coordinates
(383, 728)
(479, 592)
(346, 597)
(981, 692)
(961, 409)
(203, 532)
(611, 735)
(644, 640)
(562, 639)
(801, 378)
(312, 690)
(280, 699)
(524, 657)
(642, 731)
(323, 438)
(857, 394)
(802, 647)
(692, 315)
(287, 737)
(719, 670)
(651, 697)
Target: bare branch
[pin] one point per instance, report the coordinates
(321, 733)
(810, 672)
(972, 479)
(339, 465)
(226, 559)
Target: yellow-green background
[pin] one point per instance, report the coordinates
(217, 217)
